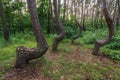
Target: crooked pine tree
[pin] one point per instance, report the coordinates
(24, 55)
(74, 37)
(61, 31)
(109, 22)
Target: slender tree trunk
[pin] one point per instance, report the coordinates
(60, 27)
(58, 10)
(79, 12)
(24, 55)
(96, 15)
(68, 2)
(71, 7)
(49, 18)
(83, 16)
(115, 10)
(59, 6)
(4, 22)
(93, 15)
(118, 15)
(64, 11)
(109, 22)
(75, 9)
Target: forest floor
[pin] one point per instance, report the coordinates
(70, 62)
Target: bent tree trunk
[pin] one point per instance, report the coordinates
(78, 35)
(24, 55)
(4, 22)
(61, 33)
(109, 22)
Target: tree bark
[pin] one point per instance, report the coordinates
(64, 12)
(118, 15)
(77, 36)
(75, 9)
(109, 22)
(71, 11)
(49, 18)
(59, 6)
(61, 34)
(67, 10)
(4, 22)
(83, 15)
(24, 55)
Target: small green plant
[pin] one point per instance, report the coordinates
(71, 28)
(114, 43)
(115, 55)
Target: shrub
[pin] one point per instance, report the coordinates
(71, 28)
(89, 37)
(114, 43)
(115, 55)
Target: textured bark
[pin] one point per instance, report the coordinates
(24, 55)
(61, 34)
(71, 11)
(118, 15)
(75, 8)
(64, 12)
(96, 15)
(67, 10)
(49, 18)
(83, 15)
(78, 35)
(59, 6)
(115, 10)
(109, 22)
(4, 22)
(118, 6)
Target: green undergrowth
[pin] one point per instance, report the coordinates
(111, 49)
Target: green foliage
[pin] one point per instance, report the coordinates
(43, 12)
(114, 46)
(42, 8)
(17, 19)
(115, 55)
(89, 37)
(71, 28)
(114, 43)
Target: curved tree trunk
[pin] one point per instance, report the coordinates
(109, 21)
(4, 22)
(24, 55)
(77, 36)
(60, 27)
